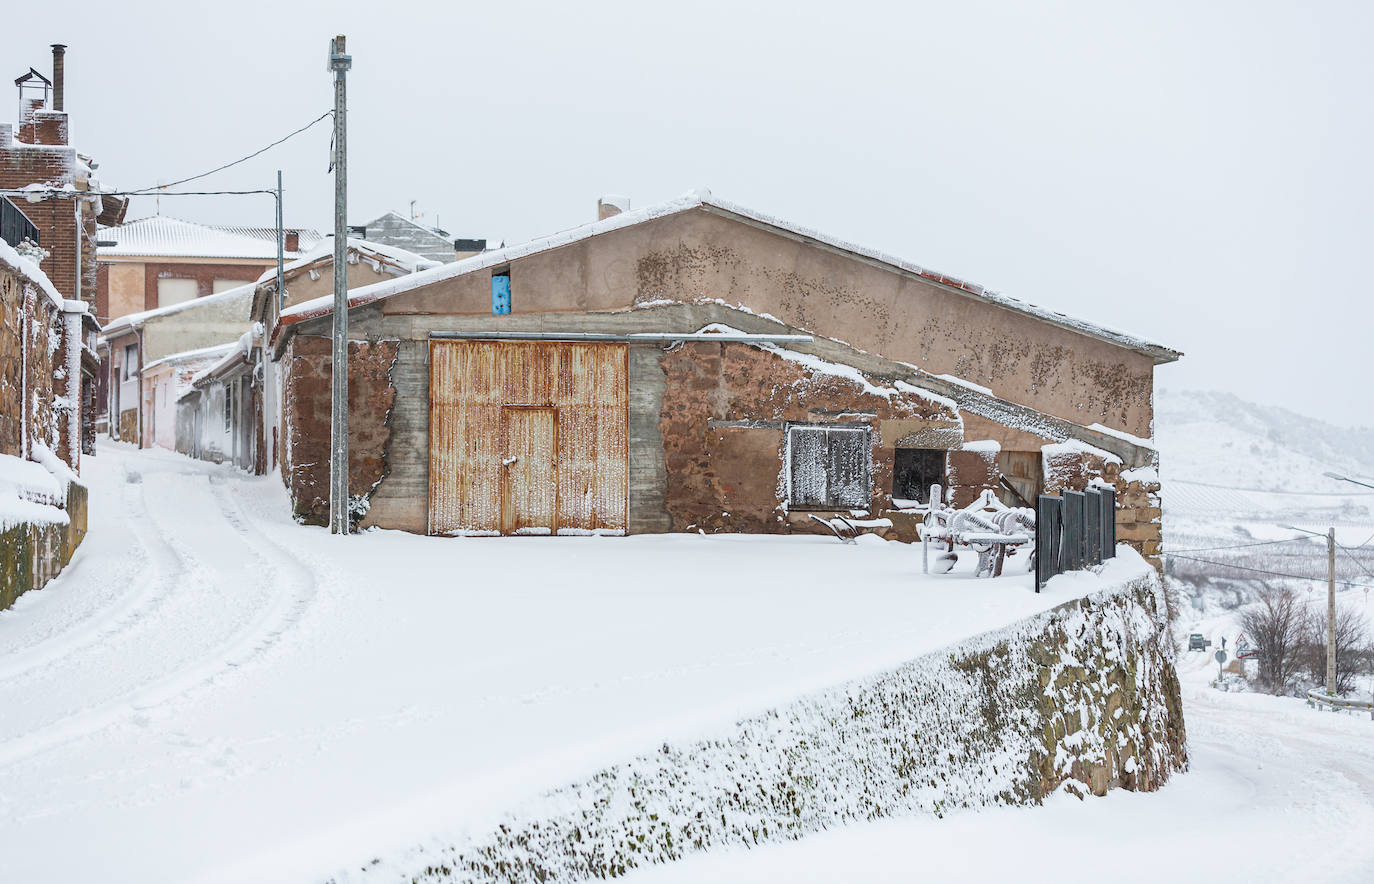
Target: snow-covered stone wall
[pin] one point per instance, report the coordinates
(1083, 698)
(40, 421)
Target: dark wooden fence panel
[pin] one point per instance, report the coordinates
(1073, 532)
(1092, 528)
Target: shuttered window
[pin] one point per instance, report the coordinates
(828, 467)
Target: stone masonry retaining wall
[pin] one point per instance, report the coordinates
(1083, 698)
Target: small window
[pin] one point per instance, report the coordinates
(829, 467)
(130, 362)
(500, 292)
(914, 470)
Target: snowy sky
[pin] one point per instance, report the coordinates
(1197, 174)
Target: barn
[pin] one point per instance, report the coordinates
(697, 366)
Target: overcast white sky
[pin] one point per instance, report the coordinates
(1195, 173)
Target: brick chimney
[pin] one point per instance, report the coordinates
(292, 240)
(610, 205)
(59, 75)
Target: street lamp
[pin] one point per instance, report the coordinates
(1331, 475)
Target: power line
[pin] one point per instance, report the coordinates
(1358, 563)
(1272, 491)
(255, 153)
(1244, 545)
(1268, 572)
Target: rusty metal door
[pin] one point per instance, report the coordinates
(529, 482)
(475, 389)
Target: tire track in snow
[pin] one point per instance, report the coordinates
(100, 623)
(296, 588)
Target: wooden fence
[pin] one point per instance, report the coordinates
(1073, 532)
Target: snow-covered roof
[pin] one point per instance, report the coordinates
(134, 320)
(702, 198)
(235, 354)
(202, 353)
(164, 237)
(379, 254)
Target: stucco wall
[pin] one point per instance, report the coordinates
(697, 255)
(202, 324)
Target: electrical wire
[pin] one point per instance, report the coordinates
(1269, 491)
(1349, 555)
(155, 188)
(1244, 545)
(1270, 573)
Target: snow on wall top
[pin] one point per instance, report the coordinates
(409, 262)
(30, 271)
(702, 198)
(1074, 447)
(207, 354)
(164, 237)
(134, 320)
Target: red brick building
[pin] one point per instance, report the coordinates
(55, 187)
(158, 262)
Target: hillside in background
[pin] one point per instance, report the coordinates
(1219, 438)
(1235, 473)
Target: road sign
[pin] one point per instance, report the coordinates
(1220, 657)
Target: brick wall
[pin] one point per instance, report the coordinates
(66, 225)
(307, 377)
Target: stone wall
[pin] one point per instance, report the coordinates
(1083, 699)
(307, 376)
(723, 418)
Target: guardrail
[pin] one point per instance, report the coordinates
(1317, 699)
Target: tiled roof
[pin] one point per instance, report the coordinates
(164, 237)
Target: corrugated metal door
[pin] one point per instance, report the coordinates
(476, 388)
(529, 438)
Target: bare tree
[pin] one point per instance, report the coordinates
(1352, 647)
(1278, 625)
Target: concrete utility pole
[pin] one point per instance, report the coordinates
(340, 62)
(281, 246)
(1331, 612)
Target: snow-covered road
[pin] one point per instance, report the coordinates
(211, 692)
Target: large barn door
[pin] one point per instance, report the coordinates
(530, 482)
(484, 396)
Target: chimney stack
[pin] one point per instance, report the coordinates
(58, 75)
(291, 240)
(610, 205)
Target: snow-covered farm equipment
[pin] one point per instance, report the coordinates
(989, 527)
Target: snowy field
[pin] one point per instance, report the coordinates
(213, 693)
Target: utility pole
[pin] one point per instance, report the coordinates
(340, 63)
(281, 246)
(1331, 612)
